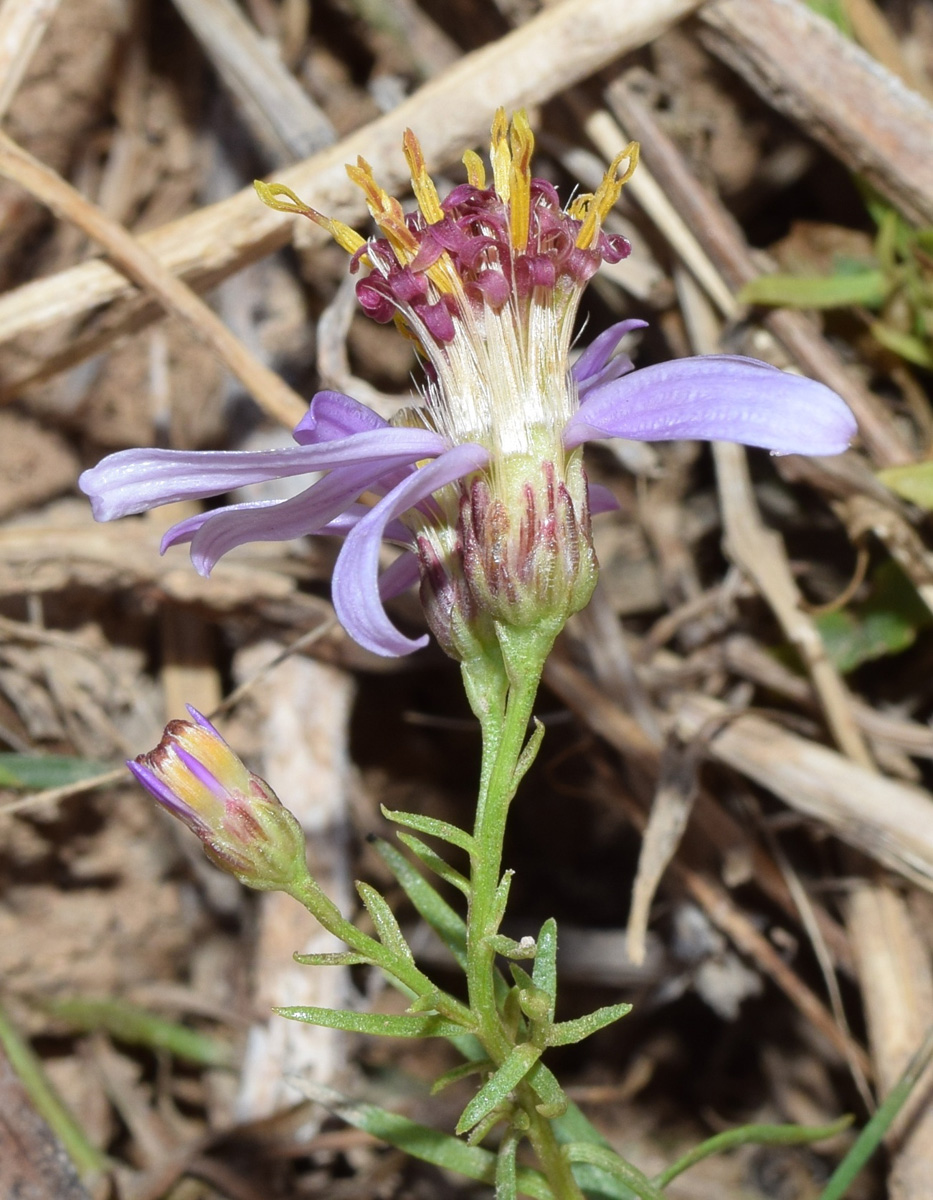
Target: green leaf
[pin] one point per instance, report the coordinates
(528, 754)
(543, 1081)
(913, 482)
(607, 1160)
(573, 1126)
(444, 920)
(886, 623)
(140, 1027)
(345, 958)
(506, 1178)
(433, 827)
(387, 927)
(464, 1071)
(377, 1024)
(544, 973)
(867, 287)
(497, 1088)
(872, 1135)
(912, 349)
(835, 11)
(421, 1142)
(752, 1135)
(509, 948)
(565, 1033)
(433, 861)
(41, 771)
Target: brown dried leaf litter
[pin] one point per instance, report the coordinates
(784, 893)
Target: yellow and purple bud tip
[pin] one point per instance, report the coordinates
(244, 827)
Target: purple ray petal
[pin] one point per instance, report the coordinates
(164, 794)
(201, 773)
(720, 398)
(277, 520)
(355, 586)
(399, 576)
(394, 531)
(601, 499)
(132, 481)
(333, 415)
(201, 720)
(598, 353)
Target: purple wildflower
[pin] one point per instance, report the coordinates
(487, 282)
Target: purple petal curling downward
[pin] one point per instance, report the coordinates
(720, 398)
(355, 588)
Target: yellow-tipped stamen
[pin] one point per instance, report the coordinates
(500, 156)
(385, 211)
(522, 147)
(593, 209)
(421, 182)
(475, 169)
(343, 235)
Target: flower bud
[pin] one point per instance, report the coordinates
(244, 827)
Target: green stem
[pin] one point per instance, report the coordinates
(554, 1164)
(500, 758)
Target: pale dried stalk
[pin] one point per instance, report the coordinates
(276, 107)
(557, 48)
(802, 65)
(897, 990)
(22, 25)
(607, 135)
(891, 822)
(140, 266)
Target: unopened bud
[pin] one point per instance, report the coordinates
(243, 826)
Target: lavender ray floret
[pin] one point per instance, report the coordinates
(719, 398)
(355, 582)
(132, 481)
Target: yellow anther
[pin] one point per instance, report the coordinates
(592, 210)
(386, 212)
(500, 156)
(522, 147)
(272, 193)
(476, 171)
(422, 184)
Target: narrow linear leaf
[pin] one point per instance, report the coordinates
(573, 1126)
(87, 1159)
(345, 958)
(421, 1142)
(543, 1081)
(544, 972)
(464, 1071)
(41, 771)
(607, 1160)
(913, 482)
(752, 1135)
(565, 1033)
(509, 948)
(378, 1024)
(506, 1172)
(498, 1086)
(433, 827)
(433, 861)
(868, 287)
(444, 920)
(140, 1027)
(528, 754)
(871, 1136)
(911, 348)
(387, 927)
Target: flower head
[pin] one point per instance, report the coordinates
(483, 485)
(244, 827)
